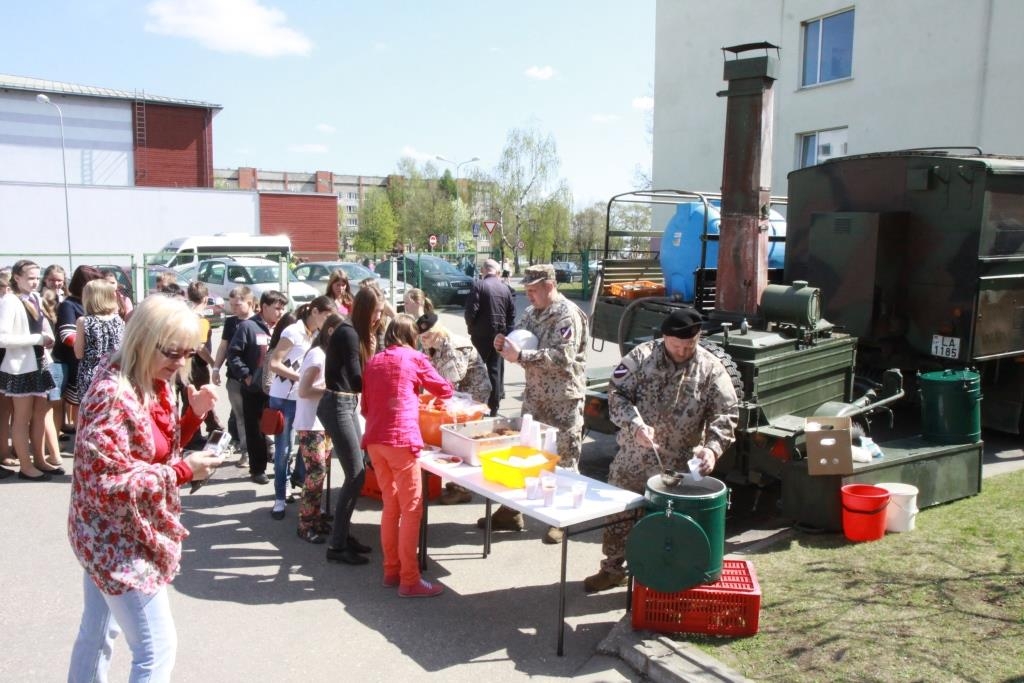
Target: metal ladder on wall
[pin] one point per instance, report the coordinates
(140, 137)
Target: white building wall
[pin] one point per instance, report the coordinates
(98, 140)
(925, 73)
(114, 221)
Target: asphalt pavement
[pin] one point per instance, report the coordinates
(254, 602)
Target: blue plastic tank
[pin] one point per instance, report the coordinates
(680, 245)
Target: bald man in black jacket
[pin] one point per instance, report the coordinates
(490, 311)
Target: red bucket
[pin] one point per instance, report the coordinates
(864, 509)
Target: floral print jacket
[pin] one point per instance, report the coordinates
(123, 523)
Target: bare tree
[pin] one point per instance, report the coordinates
(527, 166)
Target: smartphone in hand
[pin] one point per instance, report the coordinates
(216, 443)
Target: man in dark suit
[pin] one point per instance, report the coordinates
(490, 311)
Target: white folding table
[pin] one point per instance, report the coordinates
(601, 501)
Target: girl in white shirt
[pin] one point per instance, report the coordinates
(314, 445)
(24, 334)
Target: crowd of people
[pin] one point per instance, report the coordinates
(340, 375)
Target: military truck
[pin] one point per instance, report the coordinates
(871, 242)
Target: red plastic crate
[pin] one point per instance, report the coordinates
(730, 606)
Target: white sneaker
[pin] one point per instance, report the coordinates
(243, 461)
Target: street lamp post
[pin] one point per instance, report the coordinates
(458, 165)
(43, 99)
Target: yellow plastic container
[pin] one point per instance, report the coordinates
(496, 467)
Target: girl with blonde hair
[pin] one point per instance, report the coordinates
(98, 332)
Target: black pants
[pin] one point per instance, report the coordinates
(253, 403)
(337, 412)
(495, 370)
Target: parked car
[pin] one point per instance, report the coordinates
(440, 280)
(565, 271)
(316, 274)
(221, 275)
(214, 304)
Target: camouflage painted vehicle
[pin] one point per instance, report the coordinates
(920, 255)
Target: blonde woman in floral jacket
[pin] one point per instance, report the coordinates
(124, 524)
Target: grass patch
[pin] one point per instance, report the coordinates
(942, 603)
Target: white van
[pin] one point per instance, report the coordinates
(186, 251)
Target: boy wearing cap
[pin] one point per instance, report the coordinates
(555, 373)
(672, 393)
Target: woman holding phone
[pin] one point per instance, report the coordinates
(123, 522)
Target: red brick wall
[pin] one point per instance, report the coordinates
(178, 149)
(310, 221)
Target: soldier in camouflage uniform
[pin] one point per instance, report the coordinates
(555, 373)
(455, 358)
(672, 393)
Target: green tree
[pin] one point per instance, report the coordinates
(421, 205)
(588, 228)
(377, 223)
(634, 218)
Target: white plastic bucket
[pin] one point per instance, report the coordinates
(902, 510)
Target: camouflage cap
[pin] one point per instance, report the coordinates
(538, 273)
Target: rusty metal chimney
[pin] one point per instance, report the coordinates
(746, 181)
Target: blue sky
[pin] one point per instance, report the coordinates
(352, 87)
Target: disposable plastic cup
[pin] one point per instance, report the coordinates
(548, 487)
(579, 492)
(549, 496)
(532, 488)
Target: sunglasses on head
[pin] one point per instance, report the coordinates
(176, 354)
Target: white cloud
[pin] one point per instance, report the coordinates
(243, 26)
(643, 103)
(412, 152)
(325, 128)
(308, 148)
(540, 73)
(604, 118)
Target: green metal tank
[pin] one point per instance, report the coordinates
(681, 544)
(950, 406)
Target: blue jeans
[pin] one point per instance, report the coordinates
(337, 413)
(283, 448)
(147, 625)
(57, 373)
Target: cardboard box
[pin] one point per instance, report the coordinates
(829, 448)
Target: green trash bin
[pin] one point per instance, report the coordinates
(681, 543)
(950, 406)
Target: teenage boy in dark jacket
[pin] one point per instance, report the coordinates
(245, 356)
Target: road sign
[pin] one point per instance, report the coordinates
(476, 229)
(432, 241)
(490, 225)
(521, 245)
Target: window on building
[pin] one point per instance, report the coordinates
(828, 48)
(353, 195)
(351, 208)
(821, 145)
(352, 222)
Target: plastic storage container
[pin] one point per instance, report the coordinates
(680, 245)
(496, 467)
(432, 418)
(634, 289)
(730, 606)
(459, 439)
